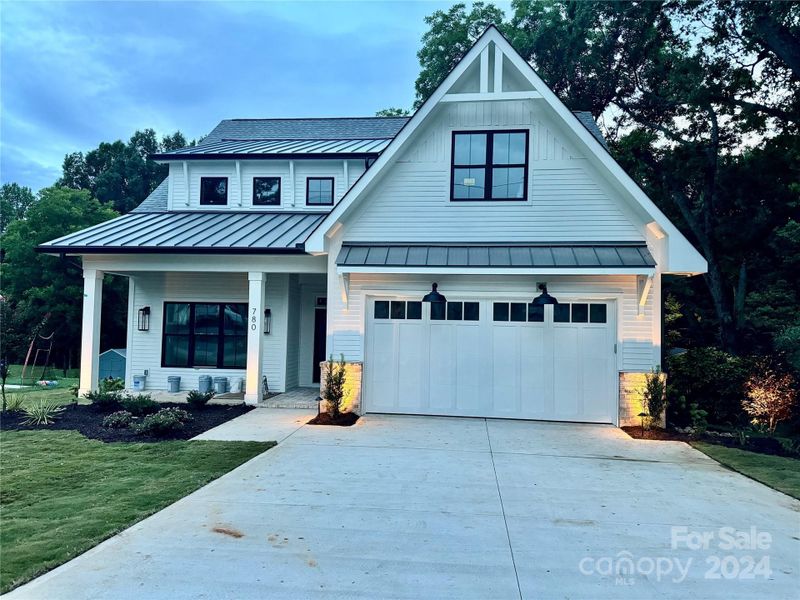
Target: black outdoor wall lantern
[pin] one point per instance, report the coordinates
(144, 319)
(267, 320)
(434, 295)
(544, 297)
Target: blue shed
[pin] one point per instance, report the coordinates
(112, 363)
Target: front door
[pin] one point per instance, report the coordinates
(320, 326)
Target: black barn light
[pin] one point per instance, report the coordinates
(267, 321)
(434, 295)
(544, 297)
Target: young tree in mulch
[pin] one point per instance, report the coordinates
(771, 394)
(654, 396)
(334, 396)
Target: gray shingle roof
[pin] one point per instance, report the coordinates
(157, 200)
(587, 120)
(193, 231)
(344, 128)
(612, 254)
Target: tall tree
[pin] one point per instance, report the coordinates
(35, 284)
(15, 201)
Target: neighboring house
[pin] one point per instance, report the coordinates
(276, 243)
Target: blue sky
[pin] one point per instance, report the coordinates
(78, 73)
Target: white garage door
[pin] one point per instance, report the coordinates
(491, 358)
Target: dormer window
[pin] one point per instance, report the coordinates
(266, 191)
(489, 165)
(213, 191)
(319, 191)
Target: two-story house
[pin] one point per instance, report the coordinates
(275, 243)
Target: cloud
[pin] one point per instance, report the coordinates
(75, 74)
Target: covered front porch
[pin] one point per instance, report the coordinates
(258, 322)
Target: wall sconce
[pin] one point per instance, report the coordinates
(267, 320)
(144, 318)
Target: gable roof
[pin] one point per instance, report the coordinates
(157, 200)
(255, 138)
(680, 256)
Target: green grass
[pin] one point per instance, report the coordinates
(778, 472)
(61, 493)
(32, 393)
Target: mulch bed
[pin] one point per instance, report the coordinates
(343, 420)
(762, 445)
(88, 420)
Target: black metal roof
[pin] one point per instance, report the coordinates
(573, 255)
(236, 232)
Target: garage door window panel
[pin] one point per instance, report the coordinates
(398, 310)
(535, 313)
(414, 310)
(455, 311)
(598, 313)
(561, 313)
(381, 309)
(472, 311)
(580, 313)
(500, 311)
(438, 311)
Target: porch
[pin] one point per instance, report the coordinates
(261, 331)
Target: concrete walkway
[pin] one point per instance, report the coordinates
(260, 425)
(419, 507)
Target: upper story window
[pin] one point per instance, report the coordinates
(266, 191)
(489, 165)
(214, 191)
(319, 191)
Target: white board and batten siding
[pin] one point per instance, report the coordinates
(240, 185)
(153, 289)
(567, 199)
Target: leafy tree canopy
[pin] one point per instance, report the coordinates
(393, 111)
(15, 201)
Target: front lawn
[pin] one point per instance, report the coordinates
(778, 472)
(61, 493)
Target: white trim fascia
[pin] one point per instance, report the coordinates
(647, 271)
(206, 263)
(492, 96)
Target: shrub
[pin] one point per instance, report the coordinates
(140, 404)
(711, 379)
(771, 394)
(104, 400)
(42, 412)
(654, 396)
(112, 384)
(118, 420)
(15, 402)
(196, 398)
(335, 377)
(163, 422)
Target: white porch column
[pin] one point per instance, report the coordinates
(90, 331)
(256, 302)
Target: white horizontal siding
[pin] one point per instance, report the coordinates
(293, 192)
(635, 332)
(567, 200)
(153, 289)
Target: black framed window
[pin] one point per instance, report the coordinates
(266, 191)
(204, 334)
(319, 191)
(489, 165)
(214, 191)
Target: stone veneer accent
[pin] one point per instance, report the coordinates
(352, 386)
(631, 388)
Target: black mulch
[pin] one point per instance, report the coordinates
(88, 420)
(343, 420)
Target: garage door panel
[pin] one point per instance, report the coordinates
(505, 370)
(443, 367)
(468, 368)
(535, 366)
(383, 361)
(412, 365)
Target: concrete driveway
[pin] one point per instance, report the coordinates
(421, 507)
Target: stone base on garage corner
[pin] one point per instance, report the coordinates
(631, 390)
(352, 386)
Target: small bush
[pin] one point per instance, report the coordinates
(15, 403)
(163, 422)
(112, 384)
(42, 412)
(196, 398)
(104, 400)
(139, 404)
(771, 394)
(335, 377)
(118, 420)
(654, 396)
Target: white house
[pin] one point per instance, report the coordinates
(275, 243)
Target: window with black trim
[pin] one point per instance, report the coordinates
(266, 191)
(214, 191)
(517, 312)
(397, 309)
(204, 334)
(319, 191)
(489, 165)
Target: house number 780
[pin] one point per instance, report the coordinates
(254, 320)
